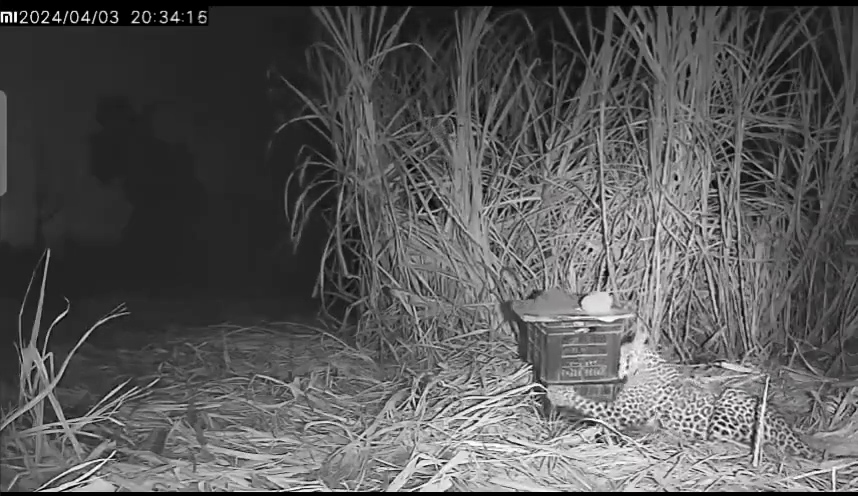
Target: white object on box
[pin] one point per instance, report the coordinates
(597, 303)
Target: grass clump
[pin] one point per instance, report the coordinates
(42, 446)
(698, 161)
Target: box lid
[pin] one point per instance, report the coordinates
(556, 305)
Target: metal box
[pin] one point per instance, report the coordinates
(569, 348)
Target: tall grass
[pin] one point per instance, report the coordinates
(36, 434)
(696, 161)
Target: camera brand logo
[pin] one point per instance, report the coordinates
(3, 142)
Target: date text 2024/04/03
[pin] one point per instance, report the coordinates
(105, 17)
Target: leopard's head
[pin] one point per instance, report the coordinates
(637, 354)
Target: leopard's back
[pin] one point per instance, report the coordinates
(677, 404)
(736, 419)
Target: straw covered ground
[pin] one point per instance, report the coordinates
(288, 406)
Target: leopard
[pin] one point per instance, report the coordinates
(736, 418)
(656, 393)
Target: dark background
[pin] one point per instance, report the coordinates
(210, 86)
(208, 92)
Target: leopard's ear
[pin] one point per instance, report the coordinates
(642, 336)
